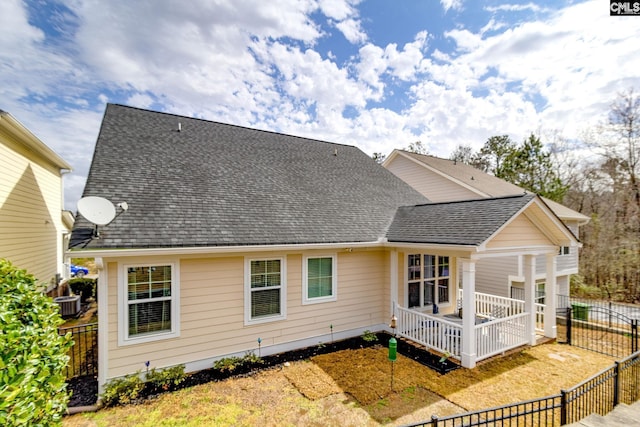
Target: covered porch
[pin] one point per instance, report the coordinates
(498, 325)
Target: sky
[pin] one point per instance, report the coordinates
(376, 74)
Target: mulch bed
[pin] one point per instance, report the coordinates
(85, 389)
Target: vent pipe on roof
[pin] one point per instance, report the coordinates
(335, 151)
(179, 126)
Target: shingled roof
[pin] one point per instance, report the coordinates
(468, 222)
(214, 184)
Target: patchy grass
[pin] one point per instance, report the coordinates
(353, 388)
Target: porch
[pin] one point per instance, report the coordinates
(499, 324)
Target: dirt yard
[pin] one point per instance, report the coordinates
(353, 388)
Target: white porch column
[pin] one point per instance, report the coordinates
(468, 355)
(550, 298)
(529, 265)
(393, 279)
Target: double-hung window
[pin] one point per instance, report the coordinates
(428, 279)
(150, 308)
(265, 290)
(319, 279)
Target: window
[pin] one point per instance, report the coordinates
(264, 290)
(564, 250)
(149, 309)
(428, 280)
(319, 279)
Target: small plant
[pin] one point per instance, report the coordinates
(122, 390)
(369, 336)
(320, 345)
(165, 378)
(231, 363)
(227, 363)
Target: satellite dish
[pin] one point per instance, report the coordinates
(97, 210)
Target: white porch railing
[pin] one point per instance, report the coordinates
(499, 335)
(493, 306)
(539, 317)
(433, 332)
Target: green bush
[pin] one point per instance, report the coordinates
(122, 390)
(33, 356)
(369, 336)
(165, 378)
(83, 286)
(233, 362)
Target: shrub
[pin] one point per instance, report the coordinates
(122, 390)
(33, 356)
(369, 336)
(233, 362)
(165, 378)
(83, 286)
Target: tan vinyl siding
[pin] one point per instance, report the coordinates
(30, 211)
(212, 309)
(518, 233)
(430, 184)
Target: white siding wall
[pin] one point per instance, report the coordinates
(212, 310)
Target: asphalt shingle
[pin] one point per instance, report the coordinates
(468, 222)
(214, 184)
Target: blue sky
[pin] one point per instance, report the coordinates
(377, 74)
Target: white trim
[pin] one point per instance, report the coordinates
(305, 279)
(248, 321)
(102, 293)
(205, 250)
(123, 316)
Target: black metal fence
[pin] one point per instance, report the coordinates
(599, 394)
(598, 328)
(83, 355)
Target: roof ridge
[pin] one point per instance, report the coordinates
(481, 199)
(146, 110)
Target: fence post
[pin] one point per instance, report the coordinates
(616, 384)
(634, 335)
(563, 407)
(434, 420)
(568, 325)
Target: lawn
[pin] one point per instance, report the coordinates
(353, 388)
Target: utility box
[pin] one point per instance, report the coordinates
(580, 311)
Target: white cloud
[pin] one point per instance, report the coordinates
(451, 4)
(351, 30)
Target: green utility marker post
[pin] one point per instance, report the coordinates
(393, 354)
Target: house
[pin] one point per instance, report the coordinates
(443, 180)
(235, 237)
(33, 225)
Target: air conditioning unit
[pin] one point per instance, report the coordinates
(69, 306)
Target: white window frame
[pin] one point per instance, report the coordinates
(248, 320)
(123, 306)
(434, 280)
(305, 280)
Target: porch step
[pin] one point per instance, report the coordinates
(622, 416)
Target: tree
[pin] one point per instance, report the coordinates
(462, 154)
(32, 354)
(529, 166)
(493, 153)
(379, 158)
(417, 147)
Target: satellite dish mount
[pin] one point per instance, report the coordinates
(100, 211)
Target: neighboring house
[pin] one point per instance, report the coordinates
(443, 180)
(235, 236)
(33, 226)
